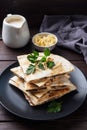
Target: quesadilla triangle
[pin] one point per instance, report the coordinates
(62, 66)
(20, 85)
(52, 95)
(38, 98)
(28, 86)
(18, 71)
(30, 97)
(49, 82)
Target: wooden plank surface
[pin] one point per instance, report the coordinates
(10, 54)
(75, 121)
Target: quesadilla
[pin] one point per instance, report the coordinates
(44, 95)
(41, 83)
(18, 71)
(45, 81)
(61, 66)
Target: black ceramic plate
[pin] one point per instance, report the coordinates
(13, 99)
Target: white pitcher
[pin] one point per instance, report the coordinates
(15, 31)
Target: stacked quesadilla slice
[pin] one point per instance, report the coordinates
(43, 85)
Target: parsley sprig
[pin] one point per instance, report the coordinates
(33, 56)
(54, 106)
(40, 63)
(31, 69)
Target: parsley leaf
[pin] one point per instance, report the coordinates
(33, 56)
(36, 54)
(31, 69)
(50, 64)
(43, 59)
(54, 107)
(41, 66)
(47, 52)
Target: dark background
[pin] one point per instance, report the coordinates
(34, 10)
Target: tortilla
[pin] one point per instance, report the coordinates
(43, 85)
(18, 71)
(49, 82)
(37, 98)
(61, 66)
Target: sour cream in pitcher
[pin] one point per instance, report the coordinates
(15, 31)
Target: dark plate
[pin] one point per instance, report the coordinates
(13, 99)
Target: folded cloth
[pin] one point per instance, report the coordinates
(71, 31)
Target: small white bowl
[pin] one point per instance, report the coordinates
(44, 40)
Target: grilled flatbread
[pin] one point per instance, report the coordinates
(52, 95)
(50, 83)
(43, 85)
(18, 71)
(31, 85)
(37, 98)
(28, 94)
(61, 66)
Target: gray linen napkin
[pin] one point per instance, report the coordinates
(71, 31)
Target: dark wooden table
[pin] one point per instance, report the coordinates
(76, 121)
